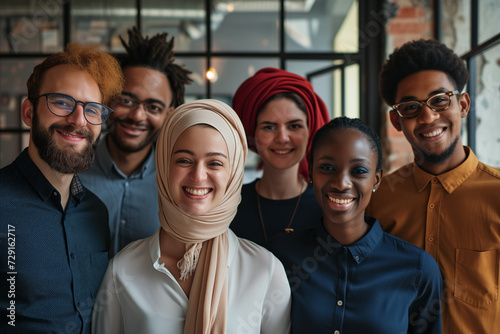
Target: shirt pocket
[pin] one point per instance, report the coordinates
(476, 276)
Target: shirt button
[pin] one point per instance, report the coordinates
(123, 222)
(340, 303)
(126, 184)
(357, 258)
(431, 206)
(336, 332)
(54, 193)
(434, 180)
(430, 239)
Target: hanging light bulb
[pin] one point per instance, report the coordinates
(211, 75)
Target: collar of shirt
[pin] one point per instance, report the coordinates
(450, 180)
(154, 248)
(105, 162)
(358, 250)
(40, 183)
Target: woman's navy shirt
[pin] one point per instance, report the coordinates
(379, 284)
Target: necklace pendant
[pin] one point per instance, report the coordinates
(288, 230)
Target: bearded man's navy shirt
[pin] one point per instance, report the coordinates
(52, 260)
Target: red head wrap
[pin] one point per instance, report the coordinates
(256, 90)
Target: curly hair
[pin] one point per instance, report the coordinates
(158, 54)
(347, 123)
(101, 66)
(416, 56)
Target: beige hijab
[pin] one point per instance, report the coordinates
(205, 236)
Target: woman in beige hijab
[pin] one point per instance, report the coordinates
(194, 275)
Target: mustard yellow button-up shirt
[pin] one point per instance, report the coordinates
(455, 217)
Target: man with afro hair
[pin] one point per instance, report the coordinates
(124, 173)
(445, 201)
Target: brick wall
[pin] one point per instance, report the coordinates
(413, 20)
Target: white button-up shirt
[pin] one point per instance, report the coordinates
(140, 295)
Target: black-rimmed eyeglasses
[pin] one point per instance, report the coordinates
(438, 102)
(63, 105)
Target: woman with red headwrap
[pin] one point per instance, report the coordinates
(280, 113)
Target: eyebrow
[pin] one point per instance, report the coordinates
(413, 98)
(149, 100)
(209, 154)
(328, 158)
(298, 120)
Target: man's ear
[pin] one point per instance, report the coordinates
(394, 117)
(464, 102)
(27, 112)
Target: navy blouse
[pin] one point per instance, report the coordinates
(379, 284)
(276, 215)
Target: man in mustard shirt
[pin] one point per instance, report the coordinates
(446, 201)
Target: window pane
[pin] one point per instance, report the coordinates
(245, 26)
(456, 26)
(30, 26)
(97, 22)
(11, 145)
(184, 20)
(196, 89)
(489, 16)
(486, 103)
(321, 25)
(13, 76)
(233, 71)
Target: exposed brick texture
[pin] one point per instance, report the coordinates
(414, 20)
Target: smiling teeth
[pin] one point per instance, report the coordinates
(433, 134)
(197, 192)
(340, 201)
(68, 135)
(282, 152)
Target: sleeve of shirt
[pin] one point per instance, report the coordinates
(106, 315)
(277, 303)
(425, 311)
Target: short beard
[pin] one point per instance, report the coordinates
(438, 159)
(151, 138)
(62, 160)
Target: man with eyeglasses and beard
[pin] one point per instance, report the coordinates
(446, 201)
(54, 236)
(124, 172)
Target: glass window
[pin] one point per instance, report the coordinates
(102, 23)
(329, 85)
(11, 145)
(486, 102)
(321, 26)
(251, 26)
(456, 26)
(184, 20)
(231, 73)
(196, 89)
(489, 16)
(30, 27)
